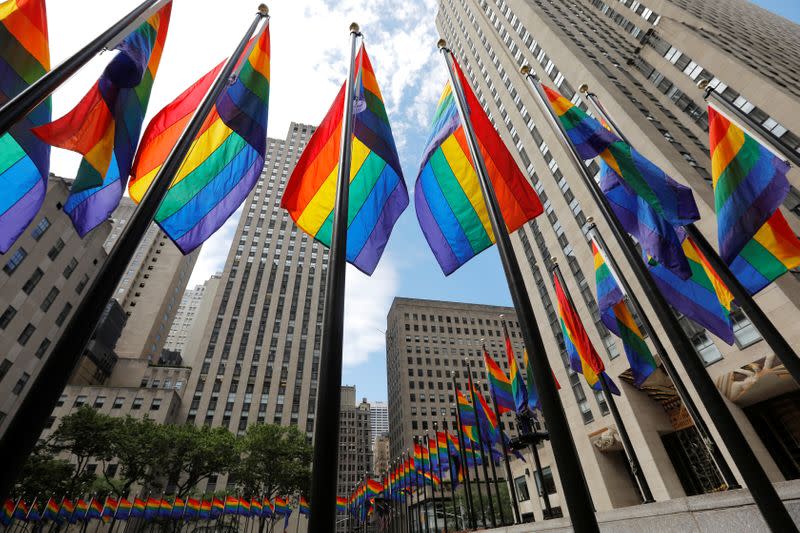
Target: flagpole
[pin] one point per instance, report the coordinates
(524, 420)
(24, 429)
(21, 105)
(487, 443)
(406, 493)
(433, 483)
(761, 489)
(700, 425)
(783, 350)
(474, 402)
(326, 434)
(462, 452)
(441, 477)
(515, 505)
(576, 493)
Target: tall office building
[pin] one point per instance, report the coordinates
(185, 316)
(355, 449)
(428, 341)
(43, 279)
(642, 59)
(200, 321)
(378, 420)
(259, 357)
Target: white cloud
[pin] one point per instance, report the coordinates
(367, 302)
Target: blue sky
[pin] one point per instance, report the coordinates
(309, 47)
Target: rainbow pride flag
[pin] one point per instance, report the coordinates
(205, 509)
(530, 384)
(67, 510)
(499, 385)
(377, 191)
(467, 412)
(703, 297)
(109, 509)
(95, 511)
(448, 199)
(268, 508)
(583, 357)
(81, 510)
(487, 419)
(24, 159)
(33, 512)
(341, 504)
(124, 509)
(669, 199)
(7, 516)
(178, 508)
(139, 508)
(231, 505)
(21, 511)
(281, 506)
(151, 508)
(244, 507)
(106, 124)
(617, 317)
(225, 160)
(773, 251)
(518, 389)
(304, 508)
(749, 184)
(165, 509)
(51, 510)
(256, 508)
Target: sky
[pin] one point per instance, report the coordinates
(310, 44)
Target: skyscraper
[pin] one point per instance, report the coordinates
(355, 451)
(200, 320)
(642, 59)
(186, 315)
(378, 420)
(259, 357)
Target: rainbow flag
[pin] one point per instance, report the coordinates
(378, 193)
(205, 509)
(124, 509)
(244, 507)
(341, 504)
(139, 507)
(487, 419)
(465, 409)
(518, 389)
(281, 507)
(231, 505)
(33, 513)
(178, 508)
(67, 510)
(703, 297)
(164, 509)
(669, 199)
(81, 510)
(749, 184)
(268, 507)
(657, 237)
(217, 508)
(109, 509)
(95, 511)
(51, 510)
(256, 508)
(225, 160)
(151, 508)
(7, 516)
(618, 319)
(583, 357)
(21, 511)
(24, 159)
(448, 199)
(106, 124)
(304, 507)
(192, 508)
(500, 385)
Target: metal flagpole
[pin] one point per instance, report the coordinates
(433, 483)
(326, 435)
(24, 429)
(416, 489)
(576, 493)
(526, 420)
(462, 452)
(669, 367)
(487, 442)
(417, 445)
(764, 494)
(514, 503)
(441, 477)
(480, 442)
(783, 350)
(633, 459)
(405, 488)
(18, 107)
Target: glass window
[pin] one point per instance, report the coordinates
(156, 404)
(42, 349)
(56, 249)
(743, 330)
(80, 401)
(49, 299)
(137, 403)
(4, 368)
(70, 268)
(118, 402)
(15, 261)
(33, 281)
(7, 316)
(26, 334)
(549, 483)
(522, 489)
(706, 348)
(40, 229)
(62, 316)
(21, 383)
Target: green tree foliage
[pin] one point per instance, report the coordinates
(42, 474)
(275, 460)
(138, 446)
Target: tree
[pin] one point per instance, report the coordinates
(43, 475)
(192, 454)
(138, 446)
(84, 435)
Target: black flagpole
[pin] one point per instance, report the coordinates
(525, 421)
(669, 367)
(783, 350)
(761, 489)
(406, 495)
(510, 479)
(29, 421)
(326, 432)
(490, 450)
(424, 496)
(33, 95)
(576, 493)
(462, 452)
(433, 483)
(480, 442)
(630, 452)
(439, 467)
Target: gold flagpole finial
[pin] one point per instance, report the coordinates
(354, 28)
(441, 43)
(584, 88)
(702, 84)
(263, 9)
(525, 70)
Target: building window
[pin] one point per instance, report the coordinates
(118, 402)
(26, 334)
(5, 366)
(40, 229)
(61, 400)
(82, 284)
(56, 249)
(156, 404)
(549, 484)
(99, 402)
(33, 281)
(21, 383)
(15, 261)
(744, 331)
(7, 316)
(706, 348)
(80, 401)
(137, 403)
(49, 299)
(522, 489)
(42, 349)
(70, 268)
(62, 316)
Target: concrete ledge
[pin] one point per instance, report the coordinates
(721, 512)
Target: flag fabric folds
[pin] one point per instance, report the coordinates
(377, 194)
(450, 207)
(749, 183)
(583, 357)
(669, 199)
(499, 385)
(703, 297)
(518, 388)
(225, 159)
(304, 508)
(617, 317)
(106, 124)
(24, 158)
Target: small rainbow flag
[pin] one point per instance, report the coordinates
(67, 510)
(192, 508)
(95, 511)
(377, 193)
(205, 509)
(178, 508)
(268, 507)
(231, 505)
(24, 159)
(304, 508)
(225, 160)
(81, 510)
(124, 509)
(618, 319)
(217, 507)
(51, 510)
(583, 357)
(139, 507)
(450, 207)
(669, 199)
(244, 507)
(466, 411)
(21, 511)
(109, 509)
(500, 385)
(518, 389)
(281, 507)
(106, 124)
(151, 508)
(341, 504)
(7, 515)
(749, 184)
(487, 419)
(256, 508)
